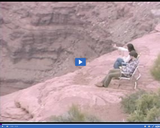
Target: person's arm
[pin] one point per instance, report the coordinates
(120, 48)
(126, 59)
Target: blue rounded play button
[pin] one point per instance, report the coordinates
(80, 61)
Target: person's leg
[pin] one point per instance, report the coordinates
(118, 63)
(101, 84)
(111, 71)
(124, 63)
(120, 60)
(110, 75)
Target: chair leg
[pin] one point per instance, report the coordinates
(139, 74)
(135, 82)
(135, 85)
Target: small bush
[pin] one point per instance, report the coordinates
(142, 108)
(74, 115)
(153, 114)
(129, 102)
(155, 71)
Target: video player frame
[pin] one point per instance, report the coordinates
(74, 62)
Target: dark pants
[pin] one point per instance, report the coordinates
(118, 63)
(114, 73)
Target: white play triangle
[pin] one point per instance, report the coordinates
(80, 61)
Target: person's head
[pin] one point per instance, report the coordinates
(130, 47)
(133, 54)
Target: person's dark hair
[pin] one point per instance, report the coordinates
(130, 47)
(133, 53)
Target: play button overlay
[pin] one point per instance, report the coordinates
(80, 61)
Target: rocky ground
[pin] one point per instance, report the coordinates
(39, 40)
(56, 95)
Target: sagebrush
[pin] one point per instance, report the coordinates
(142, 106)
(128, 103)
(75, 115)
(155, 71)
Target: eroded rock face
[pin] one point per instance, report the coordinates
(37, 44)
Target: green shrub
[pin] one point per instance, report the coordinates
(143, 108)
(155, 71)
(129, 102)
(136, 117)
(153, 114)
(74, 115)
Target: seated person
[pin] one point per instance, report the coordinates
(122, 61)
(125, 71)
